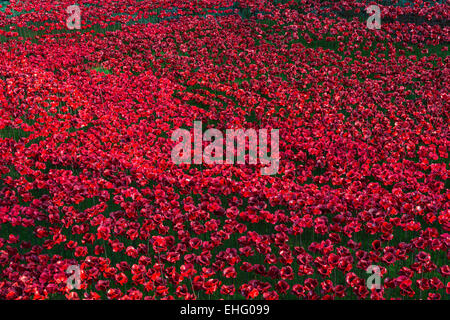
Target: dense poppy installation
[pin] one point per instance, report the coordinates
(87, 178)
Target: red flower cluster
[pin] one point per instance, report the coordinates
(86, 176)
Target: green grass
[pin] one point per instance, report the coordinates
(102, 70)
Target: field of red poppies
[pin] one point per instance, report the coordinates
(86, 177)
